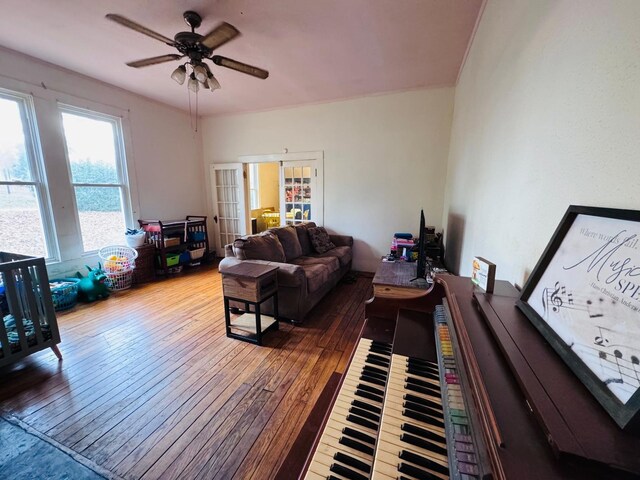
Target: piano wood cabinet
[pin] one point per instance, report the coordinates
(175, 237)
(459, 385)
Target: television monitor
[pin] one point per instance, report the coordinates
(421, 269)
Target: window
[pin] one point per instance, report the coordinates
(254, 189)
(25, 220)
(95, 152)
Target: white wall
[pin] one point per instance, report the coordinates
(166, 155)
(546, 115)
(384, 159)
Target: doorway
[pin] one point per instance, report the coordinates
(264, 195)
(243, 193)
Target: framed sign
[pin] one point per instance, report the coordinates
(584, 297)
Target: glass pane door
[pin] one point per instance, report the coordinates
(299, 189)
(228, 192)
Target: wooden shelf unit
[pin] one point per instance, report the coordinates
(192, 232)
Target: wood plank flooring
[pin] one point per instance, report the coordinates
(151, 388)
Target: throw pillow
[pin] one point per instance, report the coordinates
(264, 246)
(320, 239)
(289, 241)
(303, 237)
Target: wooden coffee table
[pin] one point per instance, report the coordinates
(251, 284)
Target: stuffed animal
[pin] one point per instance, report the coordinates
(93, 286)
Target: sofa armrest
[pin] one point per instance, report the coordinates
(342, 240)
(289, 275)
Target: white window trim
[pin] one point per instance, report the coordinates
(121, 164)
(35, 160)
(254, 185)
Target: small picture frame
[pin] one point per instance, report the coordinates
(584, 298)
(483, 274)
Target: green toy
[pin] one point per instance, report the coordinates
(93, 286)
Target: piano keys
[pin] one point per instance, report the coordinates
(434, 419)
(346, 447)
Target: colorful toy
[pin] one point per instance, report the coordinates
(93, 286)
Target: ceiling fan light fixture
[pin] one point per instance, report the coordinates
(179, 74)
(200, 71)
(213, 82)
(193, 84)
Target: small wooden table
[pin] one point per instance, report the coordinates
(251, 284)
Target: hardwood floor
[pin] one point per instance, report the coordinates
(150, 387)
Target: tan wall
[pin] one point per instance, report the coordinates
(546, 115)
(384, 159)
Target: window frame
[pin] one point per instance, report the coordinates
(122, 165)
(254, 186)
(35, 162)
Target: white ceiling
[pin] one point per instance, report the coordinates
(315, 50)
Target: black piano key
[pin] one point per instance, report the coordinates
(425, 391)
(351, 443)
(422, 383)
(416, 472)
(369, 388)
(331, 477)
(367, 406)
(379, 356)
(358, 435)
(374, 371)
(347, 472)
(420, 361)
(374, 380)
(423, 462)
(362, 421)
(377, 361)
(369, 395)
(424, 368)
(381, 344)
(423, 432)
(425, 444)
(380, 350)
(422, 401)
(352, 462)
(422, 373)
(416, 407)
(365, 414)
(423, 418)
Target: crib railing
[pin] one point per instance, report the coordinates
(28, 320)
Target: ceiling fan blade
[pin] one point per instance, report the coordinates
(239, 66)
(153, 60)
(219, 36)
(139, 28)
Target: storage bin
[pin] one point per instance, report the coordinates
(64, 293)
(171, 242)
(196, 254)
(172, 259)
(197, 236)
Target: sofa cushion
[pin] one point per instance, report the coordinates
(316, 275)
(342, 254)
(320, 239)
(303, 237)
(264, 246)
(331, 262)
(289, 240)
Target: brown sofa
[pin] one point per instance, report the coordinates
(304, 276)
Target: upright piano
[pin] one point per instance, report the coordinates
(447, 381)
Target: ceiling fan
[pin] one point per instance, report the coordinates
(197, 48)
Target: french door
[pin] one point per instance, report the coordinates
(227, 186)
(300, 193)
